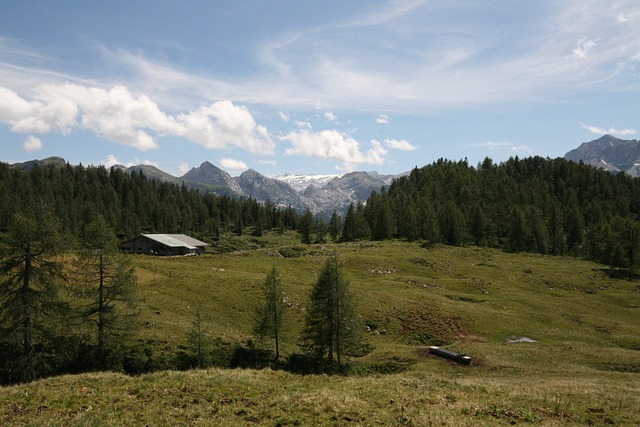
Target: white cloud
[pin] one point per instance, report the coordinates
(497, 145)
(333, 145)
(136, 121)
(400, 144)
(621, 19)
(583, 47)
(183, 168)
(302, 124)
(32, 144)
(233, 164)
(268, 162)
(329, 116)
(13, 107)
(110, 161)
(147, 162)
(491, 145)
(113, 114)
(525, 149)
(611, 131)
(382, 119)
(222, 125)
(285, 117)
(401, 56)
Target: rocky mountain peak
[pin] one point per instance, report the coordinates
(610, 153)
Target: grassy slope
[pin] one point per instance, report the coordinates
(583, 369)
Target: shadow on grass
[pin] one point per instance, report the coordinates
(621, 274)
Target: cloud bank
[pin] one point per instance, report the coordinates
(136, 121)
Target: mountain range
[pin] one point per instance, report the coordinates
(320, 193)
(323, 194)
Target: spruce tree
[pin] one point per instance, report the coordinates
(305, 227)
(334, 226)
(349, 226)
(331, 332)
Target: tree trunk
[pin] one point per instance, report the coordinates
(101, 309)
(26, 306)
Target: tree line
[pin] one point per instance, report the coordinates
(132, 204)
(547, 206)
(535, 204)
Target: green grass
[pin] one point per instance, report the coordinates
(583, 369)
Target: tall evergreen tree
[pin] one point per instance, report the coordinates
(30, 305)
(349, 225)
(305, 227)
(106, 279)
(331, 332)
(270, 314)
(334, 225)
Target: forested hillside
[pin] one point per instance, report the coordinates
(523, 205)
(548, 206)
(130, 204)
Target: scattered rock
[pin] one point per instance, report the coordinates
(523, 339)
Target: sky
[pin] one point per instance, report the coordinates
(306, 87)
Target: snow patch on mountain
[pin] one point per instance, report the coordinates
(301, 182)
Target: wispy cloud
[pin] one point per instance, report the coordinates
(583, 47)
(611, 131)
(268, 162)
(415, 62)
(399, 144)
(502, 145)
(329, 116)
(382, 119)
(285, 117)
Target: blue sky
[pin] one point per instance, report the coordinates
(315, 86)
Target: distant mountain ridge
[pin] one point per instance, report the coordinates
(610, 153)
(325, 193)
(321, 194)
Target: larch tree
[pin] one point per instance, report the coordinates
(106, 279)
(30, 306)
(270, 314)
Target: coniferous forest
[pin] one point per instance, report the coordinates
(548, 206)
(130, 204)
(62, 224)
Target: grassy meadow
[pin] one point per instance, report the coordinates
(582, 369)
